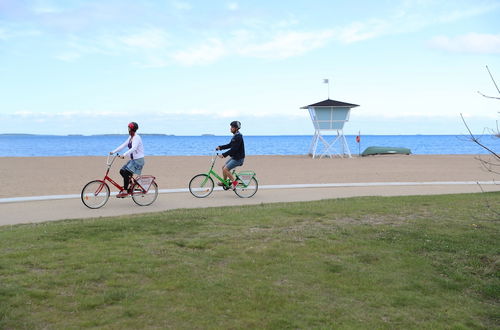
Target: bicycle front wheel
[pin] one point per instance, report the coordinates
(95, 194)
(201, 185)
(249, 190)
(144, 198)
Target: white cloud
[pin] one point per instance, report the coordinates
(270, 39)
(233, 6)
(468, 43)
(13, 32)
(151, 44)
(459, 14)
(152, 61)
(287, 22)
(150, 38)
(412, 16)
(66, 114)
(287, 44)
(153, 115)
(247, 44)
(45, 7)
(68, 56)
(202, 121)
(77, 47)
(182, 5)
(208, 52)
(359, 31)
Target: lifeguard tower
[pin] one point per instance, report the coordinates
(329, 115)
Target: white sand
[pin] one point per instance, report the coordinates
(36, 176)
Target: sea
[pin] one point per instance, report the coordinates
(23, 145)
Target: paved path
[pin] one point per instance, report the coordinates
(72, 208)
(358, 176)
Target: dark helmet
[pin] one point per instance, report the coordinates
(133, 126)
(235, 124)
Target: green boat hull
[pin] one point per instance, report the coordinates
(370, 151)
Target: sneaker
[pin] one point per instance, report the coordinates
(122, 194)
(234, 185)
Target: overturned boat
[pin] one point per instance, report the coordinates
(371, 151)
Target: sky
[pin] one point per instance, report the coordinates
(190, 67)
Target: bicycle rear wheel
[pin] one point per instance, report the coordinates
(201, 185)
(144, 199)
(95, 194)
(249, 190)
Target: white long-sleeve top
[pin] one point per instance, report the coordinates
(137, 150)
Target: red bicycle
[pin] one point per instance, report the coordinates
(95, 194)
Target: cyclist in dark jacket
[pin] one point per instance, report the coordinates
(236, 152)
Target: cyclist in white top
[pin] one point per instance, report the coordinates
(136, 153)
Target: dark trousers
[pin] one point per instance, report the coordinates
(126, 177)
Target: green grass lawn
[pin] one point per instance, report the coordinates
(398, 262)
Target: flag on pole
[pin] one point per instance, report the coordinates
(325, 81)
(358, 140)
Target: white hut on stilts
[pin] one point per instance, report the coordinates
(329, 115)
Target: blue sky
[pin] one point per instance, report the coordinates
(190, 67)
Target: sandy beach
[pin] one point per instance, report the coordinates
(35, 176)
(41, 176)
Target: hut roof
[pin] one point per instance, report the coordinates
(331, 103)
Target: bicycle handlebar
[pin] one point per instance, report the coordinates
(113, 157)
(214, 155)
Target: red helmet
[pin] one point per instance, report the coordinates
(133, 126)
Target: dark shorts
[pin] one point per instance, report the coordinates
(232, 163)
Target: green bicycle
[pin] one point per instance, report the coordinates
(202, 185)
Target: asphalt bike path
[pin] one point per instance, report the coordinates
(31, 210)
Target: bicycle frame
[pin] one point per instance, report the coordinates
(212, 172)
(108, 178)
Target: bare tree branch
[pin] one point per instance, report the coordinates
(475, 140)
(492, 166)
(488, 204)
(490, 97)
(489, 166)
(492, 131)
(494, 83)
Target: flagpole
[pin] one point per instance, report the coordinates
(359, 144)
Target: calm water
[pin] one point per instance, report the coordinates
(49, 145)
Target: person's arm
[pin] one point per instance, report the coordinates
(225, 146)
(123, 145)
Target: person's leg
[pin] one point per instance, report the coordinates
(226, 173)
(126, 177)
(226, 170)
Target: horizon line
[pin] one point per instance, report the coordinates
(215, 135)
